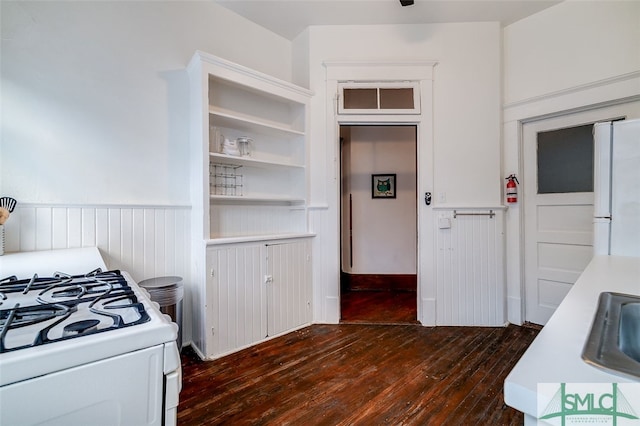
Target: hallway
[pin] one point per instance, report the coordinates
(379, 307)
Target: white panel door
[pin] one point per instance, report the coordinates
(558, 226)
(289, 290)
(235, 298)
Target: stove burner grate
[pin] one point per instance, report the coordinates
(62, 307)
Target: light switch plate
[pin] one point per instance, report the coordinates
(444, 223)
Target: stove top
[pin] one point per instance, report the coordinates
(105, 314)
(41, 310)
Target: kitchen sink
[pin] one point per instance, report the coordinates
(614, 341)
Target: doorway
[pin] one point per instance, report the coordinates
(378, 175)
(558, 203)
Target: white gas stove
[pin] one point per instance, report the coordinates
(84, 345)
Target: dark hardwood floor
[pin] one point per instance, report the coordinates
(383, 307)
(359, 374)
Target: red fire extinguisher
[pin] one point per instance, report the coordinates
(512, 189)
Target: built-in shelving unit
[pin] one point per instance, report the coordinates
(249, 213)
(236, 102)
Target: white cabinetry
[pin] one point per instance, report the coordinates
(243, 205)
(255, 292)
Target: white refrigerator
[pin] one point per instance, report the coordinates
(617, 188)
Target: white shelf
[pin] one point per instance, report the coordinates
(257, 238)
(251, 162)
(247, 123)
(256, 199)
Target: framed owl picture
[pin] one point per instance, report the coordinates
(383, 186)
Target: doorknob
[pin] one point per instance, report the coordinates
(427, 198)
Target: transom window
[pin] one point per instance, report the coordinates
(379, 98)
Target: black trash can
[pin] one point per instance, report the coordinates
(168, 292)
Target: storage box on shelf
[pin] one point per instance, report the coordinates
(249, 192)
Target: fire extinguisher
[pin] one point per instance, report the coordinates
(512, 188)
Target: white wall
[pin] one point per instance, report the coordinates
(568, 45)
(466, 131)
(384, 230)
(101, 86)
(467, 88)
(570, 57)
(95, 121)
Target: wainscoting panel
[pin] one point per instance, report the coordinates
(326, 266)
(240, 220)
(470, 269)
(145, 241)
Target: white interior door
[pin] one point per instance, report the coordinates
(558, 225)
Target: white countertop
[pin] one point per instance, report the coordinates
(555, 356)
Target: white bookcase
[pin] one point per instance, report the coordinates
(243, 204)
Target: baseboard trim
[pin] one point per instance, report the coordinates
(378, 282)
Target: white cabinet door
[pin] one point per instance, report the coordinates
(256, 291)
(289, 288)
(236, 298)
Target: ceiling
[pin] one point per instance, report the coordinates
(289, 18)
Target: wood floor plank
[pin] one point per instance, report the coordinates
(383, 307)
(433, 396)
(354, 374)
(487, 405)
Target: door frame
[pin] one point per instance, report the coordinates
(420, 72)
(600, 94)
(530, 131)
(340, 178)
